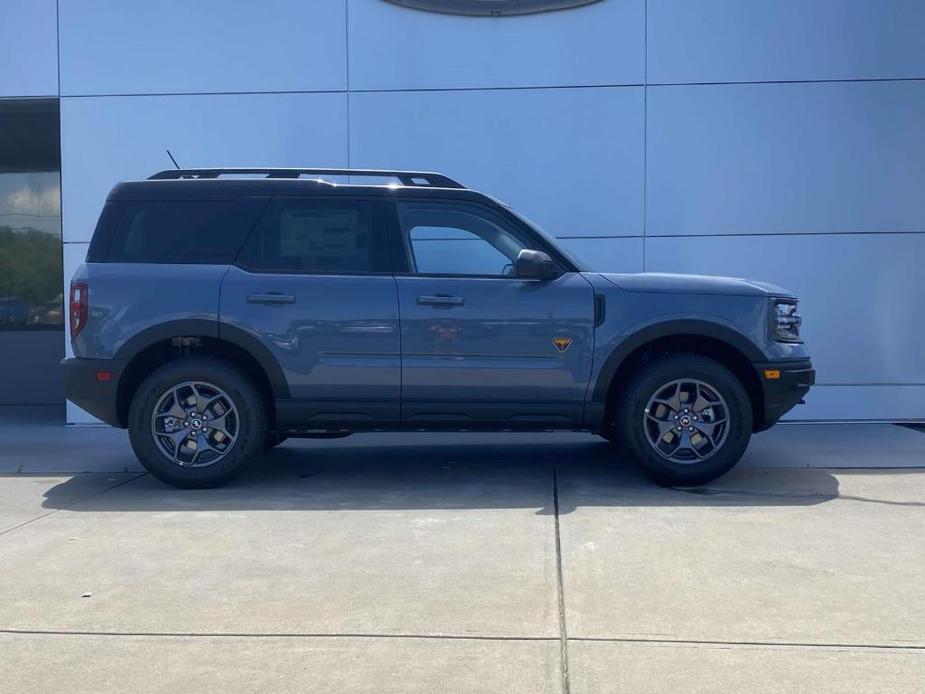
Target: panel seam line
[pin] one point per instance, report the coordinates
(560, 589)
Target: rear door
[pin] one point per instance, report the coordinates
(481, 347)
(313, 283)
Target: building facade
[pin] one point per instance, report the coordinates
(777, 140)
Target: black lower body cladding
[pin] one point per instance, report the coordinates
(785, 391)
(93, 384)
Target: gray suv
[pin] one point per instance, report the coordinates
(222, 311)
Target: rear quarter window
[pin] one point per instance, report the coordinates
(182, 231)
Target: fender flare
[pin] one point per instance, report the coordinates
(670, 328)
(201, 327)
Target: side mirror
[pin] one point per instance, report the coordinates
(535, 265)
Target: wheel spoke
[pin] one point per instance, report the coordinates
(701, 402)
(663, 426)
(178, 437)
(708, 429)
(211, 402)
(196, 439)
(688, 445)
(183, 394)
(673, 402)
(168, 414)
(201, 400)
(221, 424)
(176, 409)
(708, 438)
(211, 446)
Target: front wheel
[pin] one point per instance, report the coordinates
(685, 419)
(197, 423)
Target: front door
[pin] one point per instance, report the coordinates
(313, 283)
(480, 346)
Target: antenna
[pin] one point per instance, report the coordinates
(172, 159)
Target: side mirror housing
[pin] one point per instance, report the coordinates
(535, 265)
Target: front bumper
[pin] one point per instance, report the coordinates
(783, 393)
(86, 385)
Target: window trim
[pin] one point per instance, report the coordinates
(379, 220)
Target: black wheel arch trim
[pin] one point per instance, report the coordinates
(202, 327)
(670, 328)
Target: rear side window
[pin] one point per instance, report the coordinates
(105, 228)
(313, 235)
(182, 231)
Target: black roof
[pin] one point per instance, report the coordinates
(219, 184)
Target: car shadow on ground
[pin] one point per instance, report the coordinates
(531, 474)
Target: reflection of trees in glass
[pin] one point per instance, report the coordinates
(30, 278)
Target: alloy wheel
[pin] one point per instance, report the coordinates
(195, 424)
(686, 421)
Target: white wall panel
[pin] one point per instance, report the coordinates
(178, 46)
(752, 40)
(606, 255)
(393, 47)
(571, 159)
(28, 48)
(861, 295)
(786, 158)
(111, 139)
(887, 403)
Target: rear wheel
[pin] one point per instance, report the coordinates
(197, 423)
(684, 418)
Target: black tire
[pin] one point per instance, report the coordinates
(630, 424)
(273, 440)
(250, 421)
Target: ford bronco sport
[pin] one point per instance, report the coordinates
(221, 311)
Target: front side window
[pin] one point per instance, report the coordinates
(317, 236)
(458, 239)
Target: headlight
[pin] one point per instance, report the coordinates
(785, 321)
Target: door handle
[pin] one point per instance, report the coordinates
(444, 300)
(271, 298)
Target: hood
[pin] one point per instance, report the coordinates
(692, 284)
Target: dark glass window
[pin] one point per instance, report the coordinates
(182, 231)
(31, 295)
(31, 283)
(317, 236)
(102, 234)
(458, 239)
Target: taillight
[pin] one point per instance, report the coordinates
(78, 307)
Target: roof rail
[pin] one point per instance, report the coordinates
(407, 178)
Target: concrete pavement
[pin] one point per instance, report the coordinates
(461, 563)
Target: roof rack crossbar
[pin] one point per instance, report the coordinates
(407, 178)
